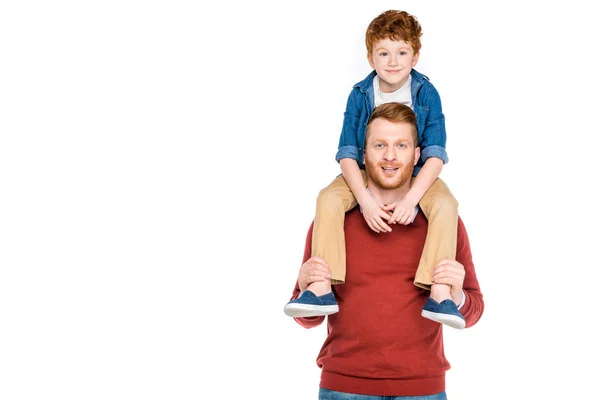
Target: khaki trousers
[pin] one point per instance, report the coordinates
(328, 241)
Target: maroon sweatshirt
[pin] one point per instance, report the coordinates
(378, 343)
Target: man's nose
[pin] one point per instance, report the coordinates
(390, 154)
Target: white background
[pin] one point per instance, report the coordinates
(160, 161)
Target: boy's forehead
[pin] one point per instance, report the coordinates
(391, 42)
(388, 43)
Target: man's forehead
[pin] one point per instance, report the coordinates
(390, 132)
(382, 128)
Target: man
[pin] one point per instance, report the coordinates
(378, 344)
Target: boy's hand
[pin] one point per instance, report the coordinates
(315, 269)
(375, 215)
(404, 212)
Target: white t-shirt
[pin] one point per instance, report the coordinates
(401, 95)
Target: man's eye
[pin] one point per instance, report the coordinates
(401, 145)
(378, 145)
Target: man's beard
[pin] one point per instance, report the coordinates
(375, 173)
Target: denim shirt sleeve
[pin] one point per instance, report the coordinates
(434, 134)
(348, 146)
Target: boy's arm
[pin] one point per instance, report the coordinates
(404, 211)
(424, 179)
(348, 157)
(354, 179)
(348, 153)
(433, 144)
(433, 152)
(348, 144)
(372, 212)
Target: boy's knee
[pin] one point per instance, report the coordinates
(445, 204)
(328, 201)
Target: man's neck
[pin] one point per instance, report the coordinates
(388, 196)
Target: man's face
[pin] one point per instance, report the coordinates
(392, 60)
(390, 153)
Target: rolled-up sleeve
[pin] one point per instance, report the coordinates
(434, 151)
(348, 146)
(347, 152)
(434, 134)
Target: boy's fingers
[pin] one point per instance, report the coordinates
(383, 226)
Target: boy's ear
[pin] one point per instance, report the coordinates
(370, 58)
(416, 58)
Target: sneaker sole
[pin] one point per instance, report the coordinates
(306, 310)
(450, 320)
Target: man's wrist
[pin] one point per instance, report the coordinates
(463, 298)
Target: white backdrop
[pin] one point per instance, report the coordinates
(160, 161)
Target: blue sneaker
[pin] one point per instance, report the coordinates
(309, 305)
(445, 312)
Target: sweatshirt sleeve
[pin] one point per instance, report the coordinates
(473, 306)
(309, 322)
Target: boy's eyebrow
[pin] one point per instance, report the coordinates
(403, 46)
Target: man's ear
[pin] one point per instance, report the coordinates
(417, 155)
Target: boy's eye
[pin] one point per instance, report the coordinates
(403, 53)
(383, 54)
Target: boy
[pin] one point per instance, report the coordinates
(393, 49)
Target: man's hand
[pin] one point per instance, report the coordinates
(404, 212)
(375, 215)
(315, 269)
(451, 273)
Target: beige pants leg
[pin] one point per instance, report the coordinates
(441, 210)
(328, 240)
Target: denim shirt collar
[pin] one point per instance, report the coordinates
(366, 85)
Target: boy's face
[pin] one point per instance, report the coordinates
(392, 60)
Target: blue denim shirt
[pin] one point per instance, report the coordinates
(426, 105)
